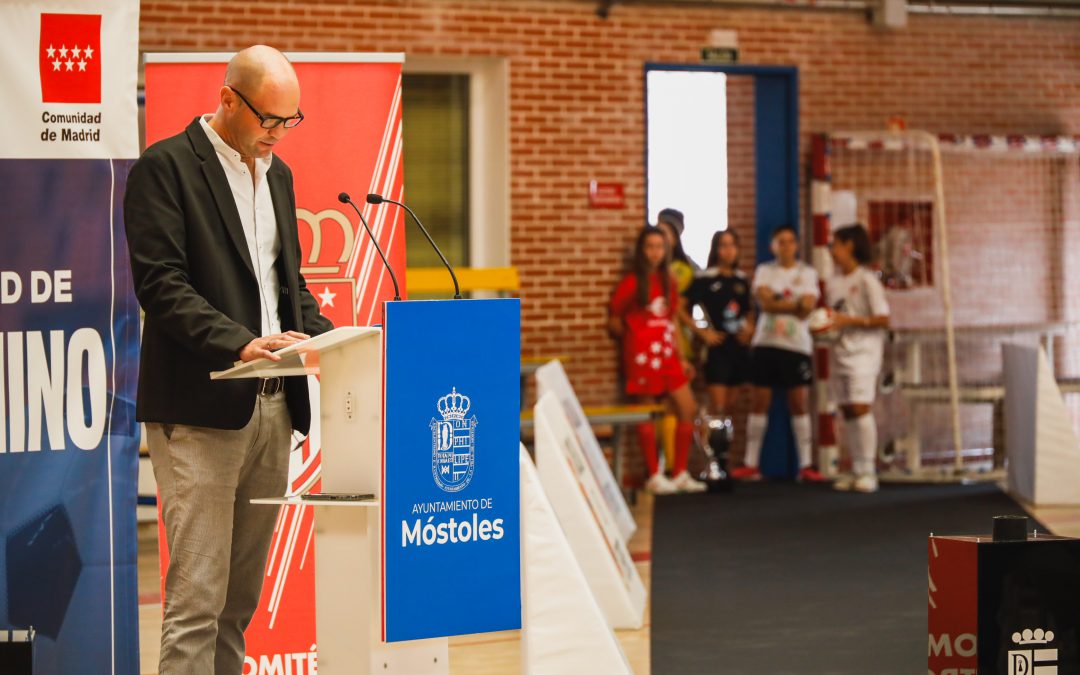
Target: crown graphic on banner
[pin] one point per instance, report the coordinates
(1033, 637)
(454, 406)
(341, 233)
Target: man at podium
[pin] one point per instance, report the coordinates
(211, 225)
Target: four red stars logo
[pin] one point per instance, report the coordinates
(69, 58)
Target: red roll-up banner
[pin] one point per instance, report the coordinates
(350, 140)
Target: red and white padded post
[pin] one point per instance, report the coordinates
(820, 187)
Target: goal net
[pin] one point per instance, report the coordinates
(977, 242)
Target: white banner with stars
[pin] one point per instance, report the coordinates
(73, 67)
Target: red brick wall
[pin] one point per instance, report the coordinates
(577, 105)
(742, 212)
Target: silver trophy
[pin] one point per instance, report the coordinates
(715, 433)
(714, 436)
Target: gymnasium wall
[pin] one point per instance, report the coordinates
(577, 109)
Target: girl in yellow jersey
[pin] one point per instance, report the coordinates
(670, 222)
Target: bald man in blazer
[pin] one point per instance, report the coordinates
(211, 225)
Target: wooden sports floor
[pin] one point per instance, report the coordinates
(494, 653)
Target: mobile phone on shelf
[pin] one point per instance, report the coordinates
(336, 497)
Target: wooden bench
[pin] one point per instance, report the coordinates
(529, 366)
(1069, 385)
(615, 417)
(939, 393)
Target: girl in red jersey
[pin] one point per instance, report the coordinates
(643, 311)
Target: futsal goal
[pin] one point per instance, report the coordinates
(978, 244)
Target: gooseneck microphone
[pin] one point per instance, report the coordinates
(379, 199)
(345, 199)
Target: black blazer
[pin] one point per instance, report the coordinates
(195, 281)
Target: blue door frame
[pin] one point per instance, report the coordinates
(776, 156)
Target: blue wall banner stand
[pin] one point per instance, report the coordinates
(68, 452)
(69, 336)
(451, 503)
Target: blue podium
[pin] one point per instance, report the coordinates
(422, 414)
(452, 506)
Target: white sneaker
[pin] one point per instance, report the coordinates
(685, 483)
(843, 482)
(866, 483)
(659, 484)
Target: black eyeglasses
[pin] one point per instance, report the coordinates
(270, 121)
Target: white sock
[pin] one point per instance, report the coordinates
(865, 430)
(800, 424)
(852, 444)
(755, 433)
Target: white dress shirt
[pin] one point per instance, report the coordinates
(256, 208)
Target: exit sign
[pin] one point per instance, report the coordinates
(720, 54)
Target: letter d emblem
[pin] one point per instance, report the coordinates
(445, 435)
(1019, 663)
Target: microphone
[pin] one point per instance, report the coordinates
(379, 199)
(345, 199)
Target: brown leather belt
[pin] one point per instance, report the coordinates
(268, 386)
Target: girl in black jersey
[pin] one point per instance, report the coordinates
(724, 293)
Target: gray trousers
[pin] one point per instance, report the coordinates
(218, 541)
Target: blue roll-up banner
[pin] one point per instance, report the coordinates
(69, 329)
(451, 515)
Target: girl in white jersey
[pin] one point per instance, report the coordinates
(786, 290)
(861, 316)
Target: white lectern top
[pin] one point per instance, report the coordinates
(301, 358)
